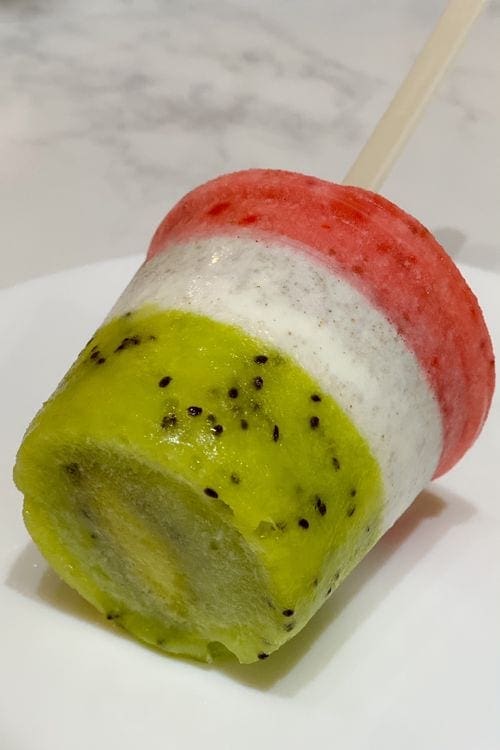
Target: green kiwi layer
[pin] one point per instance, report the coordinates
(197, 486)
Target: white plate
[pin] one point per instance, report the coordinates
(405, 656)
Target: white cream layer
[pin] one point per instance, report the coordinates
(280, 294)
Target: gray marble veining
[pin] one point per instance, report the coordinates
(110, 112)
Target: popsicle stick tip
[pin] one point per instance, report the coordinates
(383, 147)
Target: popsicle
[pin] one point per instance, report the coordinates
(290, 366)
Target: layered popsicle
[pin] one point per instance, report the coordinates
(290, 366)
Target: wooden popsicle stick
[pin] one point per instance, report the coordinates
(397, 123)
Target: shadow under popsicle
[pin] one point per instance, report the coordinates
(292, 667)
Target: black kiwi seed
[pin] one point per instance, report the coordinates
(73, 470)
(320, 506)
(194, 411)
(217, 429)
(244, 424)
(288, 612)
(233, 393)
(303, 523)
(289, 626)
(235, 479)
(314, 422)
(210, 492)
(95, 353)
(260, 359)
(262, 655)
(276, 433)
(101, 361)
(258, 382)
(315, 397)
(112, 616)
(351, 510)
(127, 342)
(353, 493)
(329, 591)
(336, 463)
(169, 420)
(165, 381)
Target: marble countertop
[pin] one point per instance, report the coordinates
(112, 111)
